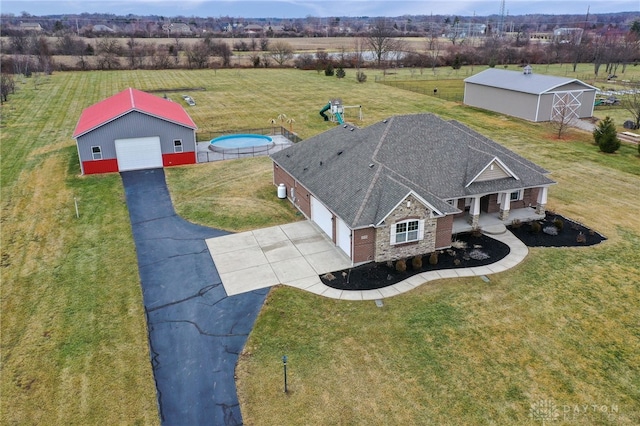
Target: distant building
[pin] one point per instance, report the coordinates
(103, 29)
(30, 26)
(177, 28)
(568, 35)
(253, 28)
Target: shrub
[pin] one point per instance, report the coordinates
(550, 230)
(478, 255)
(459, 244)
(536, 227)
(606, 136)
(477, 232)
(361, 77)
(328, 70)
(516, 223)
(581, 238)
(558, 223)
(340, 73)
(433, 258)
(401, 265)
(416, 263)
(456, 262)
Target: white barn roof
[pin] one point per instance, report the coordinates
(517, 81)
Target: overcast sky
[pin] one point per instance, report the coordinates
(317, 8)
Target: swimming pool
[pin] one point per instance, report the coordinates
(243, 143)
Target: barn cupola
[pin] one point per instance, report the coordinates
(528, 70)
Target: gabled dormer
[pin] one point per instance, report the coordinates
(493, 170)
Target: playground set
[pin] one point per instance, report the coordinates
(334, 111)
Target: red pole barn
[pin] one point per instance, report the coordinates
(134, 130)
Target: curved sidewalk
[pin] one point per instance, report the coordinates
(297, 254)
(517, 252)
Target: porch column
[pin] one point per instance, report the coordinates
(505, 205)
(542, 200)
(474, 212)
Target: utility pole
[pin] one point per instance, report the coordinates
(501, 25)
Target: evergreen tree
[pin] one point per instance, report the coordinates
(328, 71)
(340, 73)
(606, 136)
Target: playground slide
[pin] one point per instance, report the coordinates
(339, 118)
(322, 111)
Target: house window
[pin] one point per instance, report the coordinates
(177, 145)
(406, 231)
(96, 153)
(516, 195)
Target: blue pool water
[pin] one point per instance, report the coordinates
(241, 141)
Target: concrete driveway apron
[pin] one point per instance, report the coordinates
(195, 330)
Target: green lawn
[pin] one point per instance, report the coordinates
(562, 326)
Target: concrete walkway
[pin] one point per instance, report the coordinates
(296, 254)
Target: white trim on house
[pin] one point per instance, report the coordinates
(503, 166)
(417, 230)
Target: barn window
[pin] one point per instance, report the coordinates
(96, 153)
(407, 231)
(177, 145)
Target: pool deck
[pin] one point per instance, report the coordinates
(205, 155)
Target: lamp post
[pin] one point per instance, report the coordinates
(284, 364)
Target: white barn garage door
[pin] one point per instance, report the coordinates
(344, 237)
(138, 153)
(322, 216)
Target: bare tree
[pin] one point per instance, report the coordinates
(198, 55)
(108, 51)
(631, 103)
(7, 85)
(564, 112)
(380, 40)
(281, 52)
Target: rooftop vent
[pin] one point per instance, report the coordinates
(339, 152)
(371, 165)
(528, 70)
(351, 129)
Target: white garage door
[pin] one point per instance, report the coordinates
(138, 153)
(344, 237)
(322, 216)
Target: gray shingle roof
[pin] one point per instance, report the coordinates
(362, 174)
(517, 81)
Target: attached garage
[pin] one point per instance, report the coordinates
(343, 236)
(134, 130)
(138, 153)
(533, 97)
(322, 217)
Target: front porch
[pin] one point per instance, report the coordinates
(491, 223)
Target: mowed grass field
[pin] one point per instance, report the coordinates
(562, 326)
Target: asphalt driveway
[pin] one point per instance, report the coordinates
(195, 330)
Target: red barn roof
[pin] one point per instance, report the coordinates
(131, 100)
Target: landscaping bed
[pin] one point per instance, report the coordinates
(469, 250)
(570, 233)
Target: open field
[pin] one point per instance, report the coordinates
(562, 326)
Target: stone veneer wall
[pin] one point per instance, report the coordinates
(384, 250)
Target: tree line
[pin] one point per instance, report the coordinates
(27, 53)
